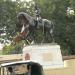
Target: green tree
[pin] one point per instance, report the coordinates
(13, 49)
(55, 10)
(9, 26)
(64, 32)
(7, 19)
(64, 28)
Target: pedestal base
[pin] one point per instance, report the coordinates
(48, 55)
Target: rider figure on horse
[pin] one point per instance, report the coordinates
(37, 16)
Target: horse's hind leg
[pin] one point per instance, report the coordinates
(51, 34)
(48, 37)
(43, 40)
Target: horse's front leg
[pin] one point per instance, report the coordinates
(47, 36)
(32, 35)
(44, 36)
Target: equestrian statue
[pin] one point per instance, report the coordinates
(30, 26)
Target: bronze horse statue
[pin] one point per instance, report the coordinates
(30, 26)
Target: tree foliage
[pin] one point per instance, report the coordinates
(13, 49)
(61, 12)
(64, 20)
(8, 17)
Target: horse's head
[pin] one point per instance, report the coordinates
(23, 18)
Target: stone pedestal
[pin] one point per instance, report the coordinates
(48, 55)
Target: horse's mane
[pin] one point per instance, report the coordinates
(28, 17)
